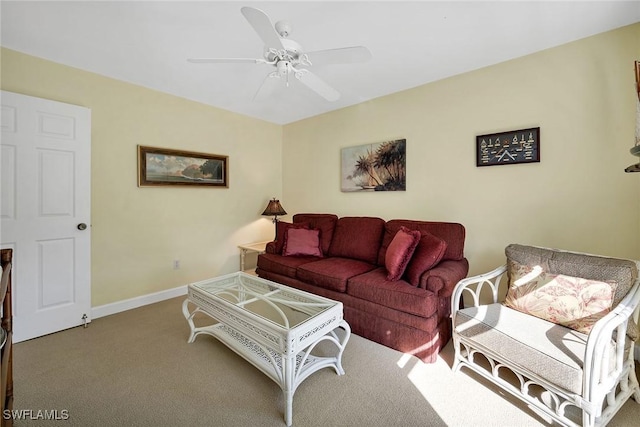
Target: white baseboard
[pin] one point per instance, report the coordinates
(128, 304)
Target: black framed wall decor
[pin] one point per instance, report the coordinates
(505, 148)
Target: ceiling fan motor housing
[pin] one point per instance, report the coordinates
(283, 28)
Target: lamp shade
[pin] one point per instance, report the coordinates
(274, 208)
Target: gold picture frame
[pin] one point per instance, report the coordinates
(167, 167)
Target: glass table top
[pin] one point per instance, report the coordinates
(276, 303)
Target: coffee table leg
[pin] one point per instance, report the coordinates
(289, 368)
(289, 408)
(189, 317)
(288, 389)
(343, 343)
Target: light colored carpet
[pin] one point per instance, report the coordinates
(136, 369)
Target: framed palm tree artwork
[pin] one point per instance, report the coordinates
(380, 166)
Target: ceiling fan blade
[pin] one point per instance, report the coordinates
(225, 60)
(344, 55)
(317, 85)
(263, 26)
(268, 87)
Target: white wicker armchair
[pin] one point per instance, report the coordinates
(573, 377)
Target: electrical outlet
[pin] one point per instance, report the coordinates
(176, 264)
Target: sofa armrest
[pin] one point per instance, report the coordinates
(271, 247)
(442, 278)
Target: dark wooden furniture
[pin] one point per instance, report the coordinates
(6, 350)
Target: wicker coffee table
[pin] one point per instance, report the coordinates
(274, 327)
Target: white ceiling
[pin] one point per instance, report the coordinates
(412, 43)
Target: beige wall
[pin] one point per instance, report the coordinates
(138, 232)
(578, 197)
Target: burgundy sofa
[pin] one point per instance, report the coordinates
(411, 314)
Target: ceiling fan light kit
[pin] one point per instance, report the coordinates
(288, 57)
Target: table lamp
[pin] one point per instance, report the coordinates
(274, 208)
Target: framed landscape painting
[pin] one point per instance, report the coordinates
(163, 166)
(375, 167)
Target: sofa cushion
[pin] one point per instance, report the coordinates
(373, 286)
(428, 254)
(281, 233)
(358, 238)
(543, 348)
(587, 266)
(400, 251)
(452, 233)
(283, 265)
(302, 241)
(594, 267)
(569, 301)
(326, 223)
(332, 273)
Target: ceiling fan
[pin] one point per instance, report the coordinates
(288, 57)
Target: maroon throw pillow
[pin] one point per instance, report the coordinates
(399, 252)
(326, 223)
(427, 255)
(302, 241)
(281, 233)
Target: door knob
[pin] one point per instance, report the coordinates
(82, 226)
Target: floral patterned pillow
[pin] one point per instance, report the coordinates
(573, 302)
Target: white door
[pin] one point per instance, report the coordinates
(45, 210)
